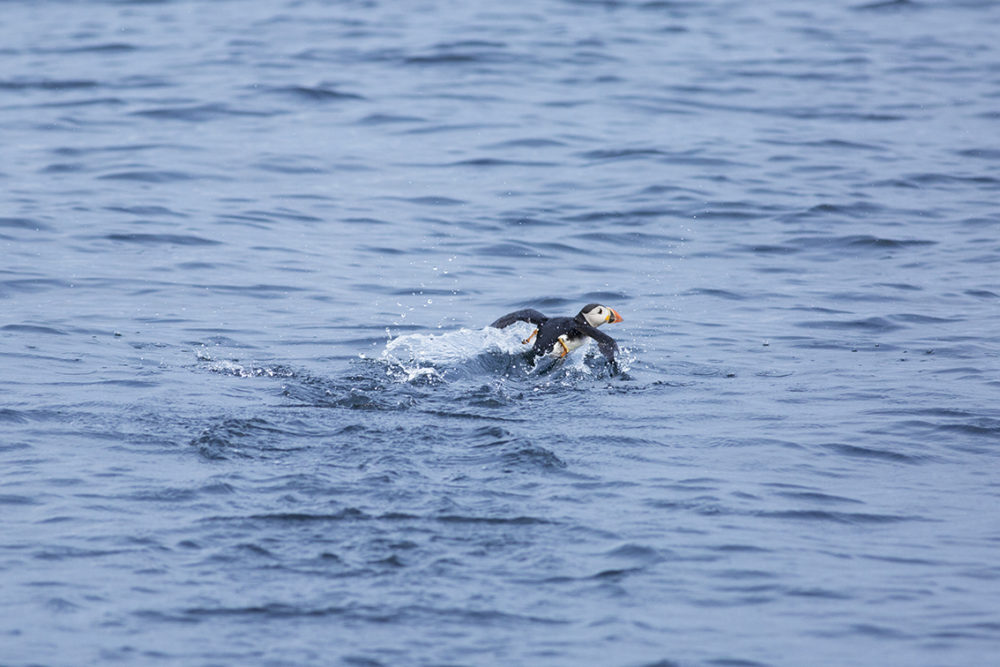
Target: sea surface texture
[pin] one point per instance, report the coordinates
(252, 413)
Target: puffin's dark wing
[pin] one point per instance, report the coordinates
(548, 335)
(527, 315)
(605, 343)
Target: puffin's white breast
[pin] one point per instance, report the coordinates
(572, 343)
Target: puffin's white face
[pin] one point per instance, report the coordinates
(601, 315)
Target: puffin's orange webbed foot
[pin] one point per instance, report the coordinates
(564, 347)
(528, 339)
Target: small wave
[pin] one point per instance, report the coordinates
(438, 128)
(23, 223)
(313, 93)
(837, 144)
(84, 102)
(346, 514)
(621, 154)
(923, 180)
(364, 391)
(527, 143)
(444, 59)
(977, 427)
(512, 452)
(874, 453)
(256, 291)
(32, 285)
(107, 47)
(626, 239)
(498, 162)
(818, 497)
(61, 168)
(623, 217)
(870, 324)
(12, 416)
(769, 249)
(511, 249)
(855, 210)
(386, 119)
(13, 499)
(835, 517)
(291, 164)
(434, 201)
(152, 211)
(150, 176)
(888, 6)
(636, 554)
(860, 241)
(917, 318)
(494, 520)
(199, 113)
(981, 153)
(32, 329)
(47, 84)
(717, 293)
(249, 438)
(466, 53)
(162, 239)
(83, 151)
(58, 553)
(833, 243)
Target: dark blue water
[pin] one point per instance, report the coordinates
(250, 412)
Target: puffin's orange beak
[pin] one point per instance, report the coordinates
(615, 317)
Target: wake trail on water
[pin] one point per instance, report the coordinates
(473, 368)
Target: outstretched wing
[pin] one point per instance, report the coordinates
(527, 315)
(605, 343)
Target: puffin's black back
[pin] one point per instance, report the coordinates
(529, 315)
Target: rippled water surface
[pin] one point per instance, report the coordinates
(251, 412)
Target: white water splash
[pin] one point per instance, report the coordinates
(431, 356)
(451, 348)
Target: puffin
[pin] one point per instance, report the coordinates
(558, 336)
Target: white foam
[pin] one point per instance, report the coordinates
(450, 348)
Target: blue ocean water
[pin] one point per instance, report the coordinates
(251, 411)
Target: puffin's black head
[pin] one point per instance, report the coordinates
(595, 315)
